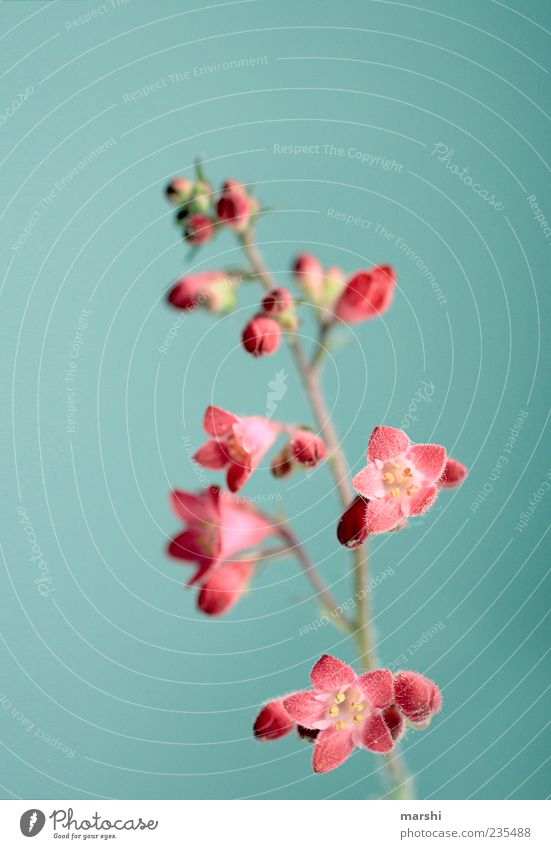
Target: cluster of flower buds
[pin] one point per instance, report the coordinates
(365, 295)
(262, 333)
(304, 448)
(399, 481)
(344, 711)
(200, 214)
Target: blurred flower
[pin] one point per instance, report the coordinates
(217, 526)
(224, 587)
(212, 289)
(237, 444)
(454, 473)
(366, 295)
(179, 190)
(199, 229)
(261, 336)
(308, 272)
(234, 206)
(277, 301)
(399, 480)
(307, 448)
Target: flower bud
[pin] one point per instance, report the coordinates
(282, 463)
(352, 529)
(201, 199)
(454, 473)
(234, 206)
(307, 448)
(308, 272)
(277, 301)
(179, 190)
(366, 295)
(272, 722)
(199, 229)
(417, 697)
(261, 336)
(333, 284)
(213, 289)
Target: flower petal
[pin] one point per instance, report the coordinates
(272, 722)
(378, 687)
(329, 673)
(382, 515)
(331, 749)
(304, 708)
(238, 476)
(429, 460)
(387, 442)
(218, 422)
(394, 722)
(224, 587)
(184, 546)
(376, 735)
(422, 500)
(368, 482)
(211, 455)
(351, 530)
(189, 507)
(454, 473)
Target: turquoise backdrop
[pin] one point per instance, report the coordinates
(355, 121)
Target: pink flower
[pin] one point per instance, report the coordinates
(217, 526)
(238, 444)
(454, 473)
(344, 711)
(400, 479)
(261, 336)
(179, 190)
(352, 527)
(307, 448)
(367, 294)
(272, 722)
(234, 205)
(212, 288)
(309, 275)
(199, 229)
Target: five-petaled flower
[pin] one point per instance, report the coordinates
(345, 710)
(217, 527)
(236, 444)
(400, 479)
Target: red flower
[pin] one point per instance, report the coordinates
(344, 711)
(261, 336)
(199, 229)
(309, 275)
(213, 289)
(367, 294)
(238, 444)
(454, 473)
(224, 587)
(307, 448)
(400, 479)
(272, 722)
(234, 205)
(217, 526)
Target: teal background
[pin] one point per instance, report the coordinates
(153, 700)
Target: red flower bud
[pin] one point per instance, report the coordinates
(234, 206)
(277, 301)
(179, 189)
(352, 528)
(282, 463)
(307, 448)
(272, 722)
(454, 473)
(199, 229)
(417, 697)
(261, 336)
(367, 294)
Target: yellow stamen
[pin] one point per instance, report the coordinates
(340, 725)
(389, 477)
(333, 711)
(358, 719)
(357, 707)
(340, 697)
(412, 489)
(407, 472)
(395, 492)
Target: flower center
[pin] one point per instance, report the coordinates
(399, 479)
(235, 450)
(347, 709)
